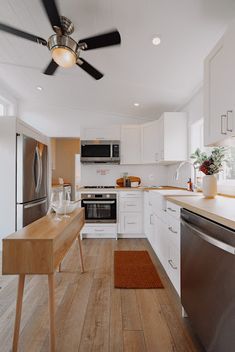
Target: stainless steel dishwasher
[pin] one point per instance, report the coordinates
(208, 280)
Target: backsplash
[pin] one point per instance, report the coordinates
(107, 174)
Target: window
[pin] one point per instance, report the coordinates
(226, 179)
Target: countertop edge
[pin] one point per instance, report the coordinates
(207, 214)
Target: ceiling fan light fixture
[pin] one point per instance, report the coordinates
(63, 50)
(64, 57)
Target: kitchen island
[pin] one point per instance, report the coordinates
(38, 249)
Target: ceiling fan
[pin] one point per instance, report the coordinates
(65, 51)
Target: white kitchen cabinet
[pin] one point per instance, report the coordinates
(130, 214)
(148, 218)
(163, 226)
(172, 260)
(219, 86)
(150, 142)
(106, 133)
(130, 223)
(99, 231)
(172, 137)
(131, 144)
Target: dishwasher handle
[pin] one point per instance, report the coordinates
(224, 246)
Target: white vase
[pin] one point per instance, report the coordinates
(209, 186)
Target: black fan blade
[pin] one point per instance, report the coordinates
(102, 40)
(89, 69)
(22, 34)
(52, 13)
(51, 68)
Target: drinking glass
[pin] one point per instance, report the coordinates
(57, 202)
(66, 203)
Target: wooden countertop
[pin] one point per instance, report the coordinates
(220, 209)
(140, 188)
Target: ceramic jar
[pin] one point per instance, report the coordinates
(209, 186)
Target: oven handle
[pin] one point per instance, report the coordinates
(224, 246)
(98, 202)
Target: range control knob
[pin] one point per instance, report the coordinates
(89, 196)
(107, 195)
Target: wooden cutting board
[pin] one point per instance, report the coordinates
(119, 181)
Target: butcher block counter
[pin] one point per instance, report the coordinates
(220, 209)
(38, 249)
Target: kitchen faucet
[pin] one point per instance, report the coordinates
(176, 176)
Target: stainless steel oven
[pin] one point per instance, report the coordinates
(100, 207)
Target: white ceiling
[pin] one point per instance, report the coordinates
(159, 78)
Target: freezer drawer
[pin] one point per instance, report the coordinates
(30, 212)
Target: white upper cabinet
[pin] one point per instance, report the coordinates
(150, 142)
(131, 144)
(219, 87)
(164, 141)
(106, 133)
(172, 137)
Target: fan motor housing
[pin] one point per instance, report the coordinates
(62, 41)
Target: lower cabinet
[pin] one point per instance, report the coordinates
(130, 214)
(99, 231)
(164, 237)
(130, 223)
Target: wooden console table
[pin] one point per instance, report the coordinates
(39, 249)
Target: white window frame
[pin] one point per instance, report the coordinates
(225, 186)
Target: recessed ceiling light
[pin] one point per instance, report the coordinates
(136, 104)
(39, 88)
(156, 40)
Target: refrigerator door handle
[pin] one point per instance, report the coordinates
(35, 204)
(37, 183)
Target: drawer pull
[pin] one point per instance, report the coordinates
(131, 205)
(221, 124)
(99, 230)
(131, 223)
(170, 261)
(228, 113)
(171, 229)
(173, 210)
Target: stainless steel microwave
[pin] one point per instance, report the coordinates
(100, 151)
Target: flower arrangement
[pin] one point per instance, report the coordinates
(210, 164)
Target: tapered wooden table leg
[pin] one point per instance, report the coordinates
(51, 286)
(19, 302)
(60, 267)
(80, 250)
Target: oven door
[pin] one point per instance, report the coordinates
(100, 210)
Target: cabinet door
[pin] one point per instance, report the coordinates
(215, 90)
(150, 142)
(160, 240)
(131, 145)
(130, 223)
(229, 48)
(161, 139)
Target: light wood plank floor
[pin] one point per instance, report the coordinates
(93, 316)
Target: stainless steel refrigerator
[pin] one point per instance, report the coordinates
(31, 180)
